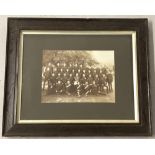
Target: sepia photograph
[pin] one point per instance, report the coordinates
(78, 76)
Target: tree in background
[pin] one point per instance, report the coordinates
(79, 57)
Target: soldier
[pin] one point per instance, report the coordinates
(43, 77)
(64, 67)
(81, 66)
(71, 79)
(97, 70)
(46, 84)
(76, 67)
(87, 88)
(94, 72)
(82, 82)
(73, 72)
(52, 84)
(101, 80)
(94, 88)
(89, 72)
(79, 71)
(76, 78)
(87, 69)
(96, 79)
(68, 88)
(64, 80)
(61, 70)
(67, 71)
(64, 64)
(105, 86)
(100, 72)
(59, 78)
(78, 89)
(70, 67)
(90, 79)
(59, 88)
(109, 81)
(104, 70)
(58, 66)
(55, 71)
(77, 84)
(50, 66)
(84, 71)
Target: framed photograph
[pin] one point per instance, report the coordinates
(77, 77)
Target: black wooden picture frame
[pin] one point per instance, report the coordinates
(10, 125)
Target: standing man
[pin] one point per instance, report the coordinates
(96, 79)
(82, 82)
(52, 84)
(109, 81)
(64, 80)
(94, 88)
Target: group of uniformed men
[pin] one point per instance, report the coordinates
(76, 79)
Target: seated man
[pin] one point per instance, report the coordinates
(103, 84)
(87, 88)
(94, 90)
(82, 82)
(68, 87)
(90, 79)
(59, 87)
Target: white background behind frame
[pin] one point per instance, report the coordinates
(84, 146)
(3, 32)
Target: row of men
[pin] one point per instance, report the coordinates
(76, 84)
(74, 68)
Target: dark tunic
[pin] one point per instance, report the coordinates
(59, 87)
(94, 89)
(90, 80)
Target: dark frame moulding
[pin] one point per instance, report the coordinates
(11, 128)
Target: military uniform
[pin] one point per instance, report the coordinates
(109, 81)
(76, 68)
(104, 84)
(94, 89)
(94, 73)
(79, 70)
(87, 88)
(70, 67)
(68, 87)
(59, 87)
(58, 67)
(73, 72)
(64, 80)
(67, 71)
(104, 70)
(52, 84)
(96, 79)
(76, 83)
(82, 82)
(59, 77)
(90, 80)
